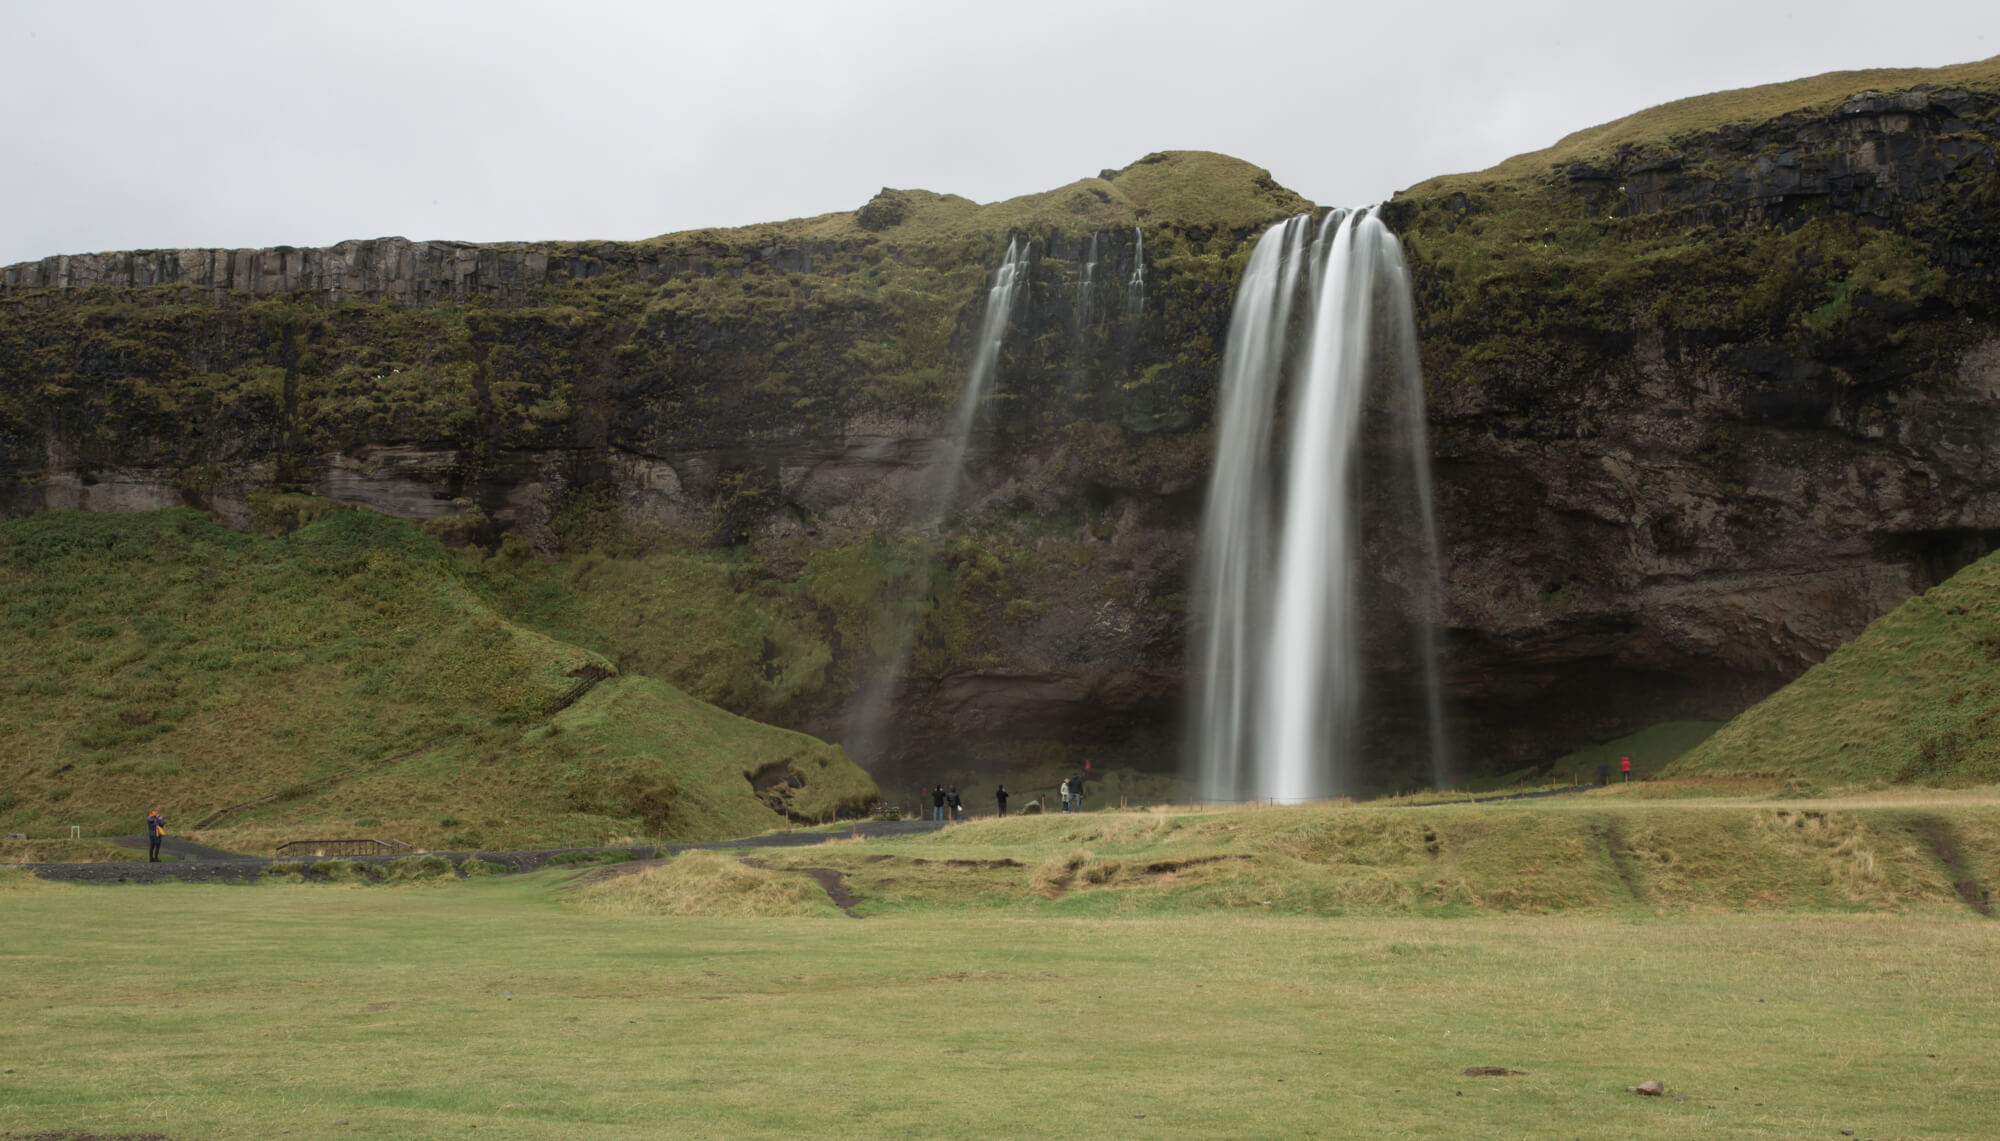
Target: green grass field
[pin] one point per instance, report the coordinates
(527, 1007)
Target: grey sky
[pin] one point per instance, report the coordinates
(188, 123)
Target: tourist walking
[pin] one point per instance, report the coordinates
(1000, 794)
(955, 807)
(156, 830)
(937, 804)
(1625, 766)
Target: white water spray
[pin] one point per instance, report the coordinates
(1086, 284)
(867, 710)
(1278, 649)
(1135, 286)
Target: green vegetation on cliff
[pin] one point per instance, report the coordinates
(344, 675)
(677, 341)
(1915, 698)
(1738, 222)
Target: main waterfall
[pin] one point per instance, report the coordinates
(1278, 655)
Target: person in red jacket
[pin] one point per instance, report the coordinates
(1625, 766)
(156, 829)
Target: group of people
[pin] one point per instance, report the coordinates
(947, 806)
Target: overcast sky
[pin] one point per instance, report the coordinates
(185, 123)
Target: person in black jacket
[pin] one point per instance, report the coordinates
(1001, 795)
(937, 804)
(156, 830)
(952, 804)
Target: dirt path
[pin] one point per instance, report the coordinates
(198, 863)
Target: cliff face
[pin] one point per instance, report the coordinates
(1704, 405)
(1709, 391)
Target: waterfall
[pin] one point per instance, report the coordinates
(1086, 284)
(1135, 286)
(867, 710)
(1278, 646)
(1007, 279)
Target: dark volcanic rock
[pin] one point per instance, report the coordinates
(1701, 407)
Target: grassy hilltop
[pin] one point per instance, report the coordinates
(1544, 264)
(351, 675)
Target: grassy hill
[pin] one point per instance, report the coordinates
(1663, 126)
(1914, 699)
(349, 676)
(1172, 187)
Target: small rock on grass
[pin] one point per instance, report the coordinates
(1649, 1089)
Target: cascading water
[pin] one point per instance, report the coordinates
(1279, 638)
(1086, 284)
(1007, 279)
(1135, 286)
(866, 712)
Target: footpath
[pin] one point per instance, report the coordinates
(199, 863)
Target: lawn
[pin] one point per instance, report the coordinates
(503, 1007)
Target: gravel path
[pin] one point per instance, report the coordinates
(201, 864)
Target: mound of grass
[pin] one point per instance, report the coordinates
(706, 884)
(341, 672)
(1915, 699)
(17, 881)
(1592, 854)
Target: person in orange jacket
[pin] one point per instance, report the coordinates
(156, 830)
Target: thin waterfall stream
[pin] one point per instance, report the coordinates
(864, 718)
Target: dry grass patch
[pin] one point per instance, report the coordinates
(704, 883)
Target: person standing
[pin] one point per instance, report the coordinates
(937, 804)
(1076, 793)
(1625, 766)
(156, 830)
(1000, 795)
(1603, 773)
(954, 807)
(1064, 791)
